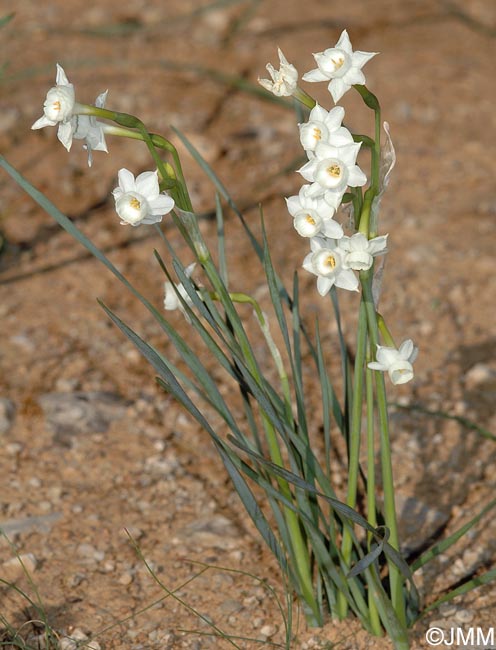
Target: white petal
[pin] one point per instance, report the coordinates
(318, 114)
(42, 122)
(293, 204)
(346, 279)
(359, 59)
(374, 365)
(61, 78)
(337, 88)
(378, 245)
(315, 75)
(308, 170)
(356, 177)
(171, 300)
(354, 76)
(324, 285)
(344, 42)
(64, 134)
(147, 184)
(161, 205)
(332, 229)
(126, 180)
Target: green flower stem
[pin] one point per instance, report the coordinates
(372, 102)
(385, 333)
(304, 98)
(299, 550)
(395, 578)
(354, 442)
(151, 140)
(375, 620)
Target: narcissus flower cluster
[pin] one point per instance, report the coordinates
(331, 171)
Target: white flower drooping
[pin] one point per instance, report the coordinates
(360, 251)
(171, 299)
(284, 81)
(340, 66)
(139, 201)
(324, 127)
(58, 108)
(87, 128)
(327, 261)
(397, 363)
(313, 216)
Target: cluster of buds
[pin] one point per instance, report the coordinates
(330, 172)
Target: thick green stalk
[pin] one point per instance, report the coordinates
(395, 578)
(299, 550)
(371, 488)
(354, 441)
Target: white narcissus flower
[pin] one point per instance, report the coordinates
(340, 66)
(360, 251)
(332, 170)
(327, 262)
(313, 216)
(139, 201)
(324, 126)
(171, 299)
(397, 363)
(87, 128)
(58, 108)
(284, 81)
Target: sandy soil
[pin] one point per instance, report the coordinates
(90, 446)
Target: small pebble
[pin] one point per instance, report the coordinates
(268, 631)
(464, 616)
(125, 579)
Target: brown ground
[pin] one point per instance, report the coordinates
(73, 479)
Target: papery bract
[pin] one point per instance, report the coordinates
(340, 66)
(139, 201)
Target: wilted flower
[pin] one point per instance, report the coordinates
(87, 128)
(58, 108)
(324, 127)
(327, 262)
(397, 363)
(332, 170)
(360, 251)
(341, 66)
(171, 299)
(140, 201)
(284, 81)
(313, 216)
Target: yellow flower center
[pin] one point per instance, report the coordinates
(134, 203)
(310, 220)
(338, 62)
(334, 170)
(56, 106)
(317, 133)
(330, 261)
